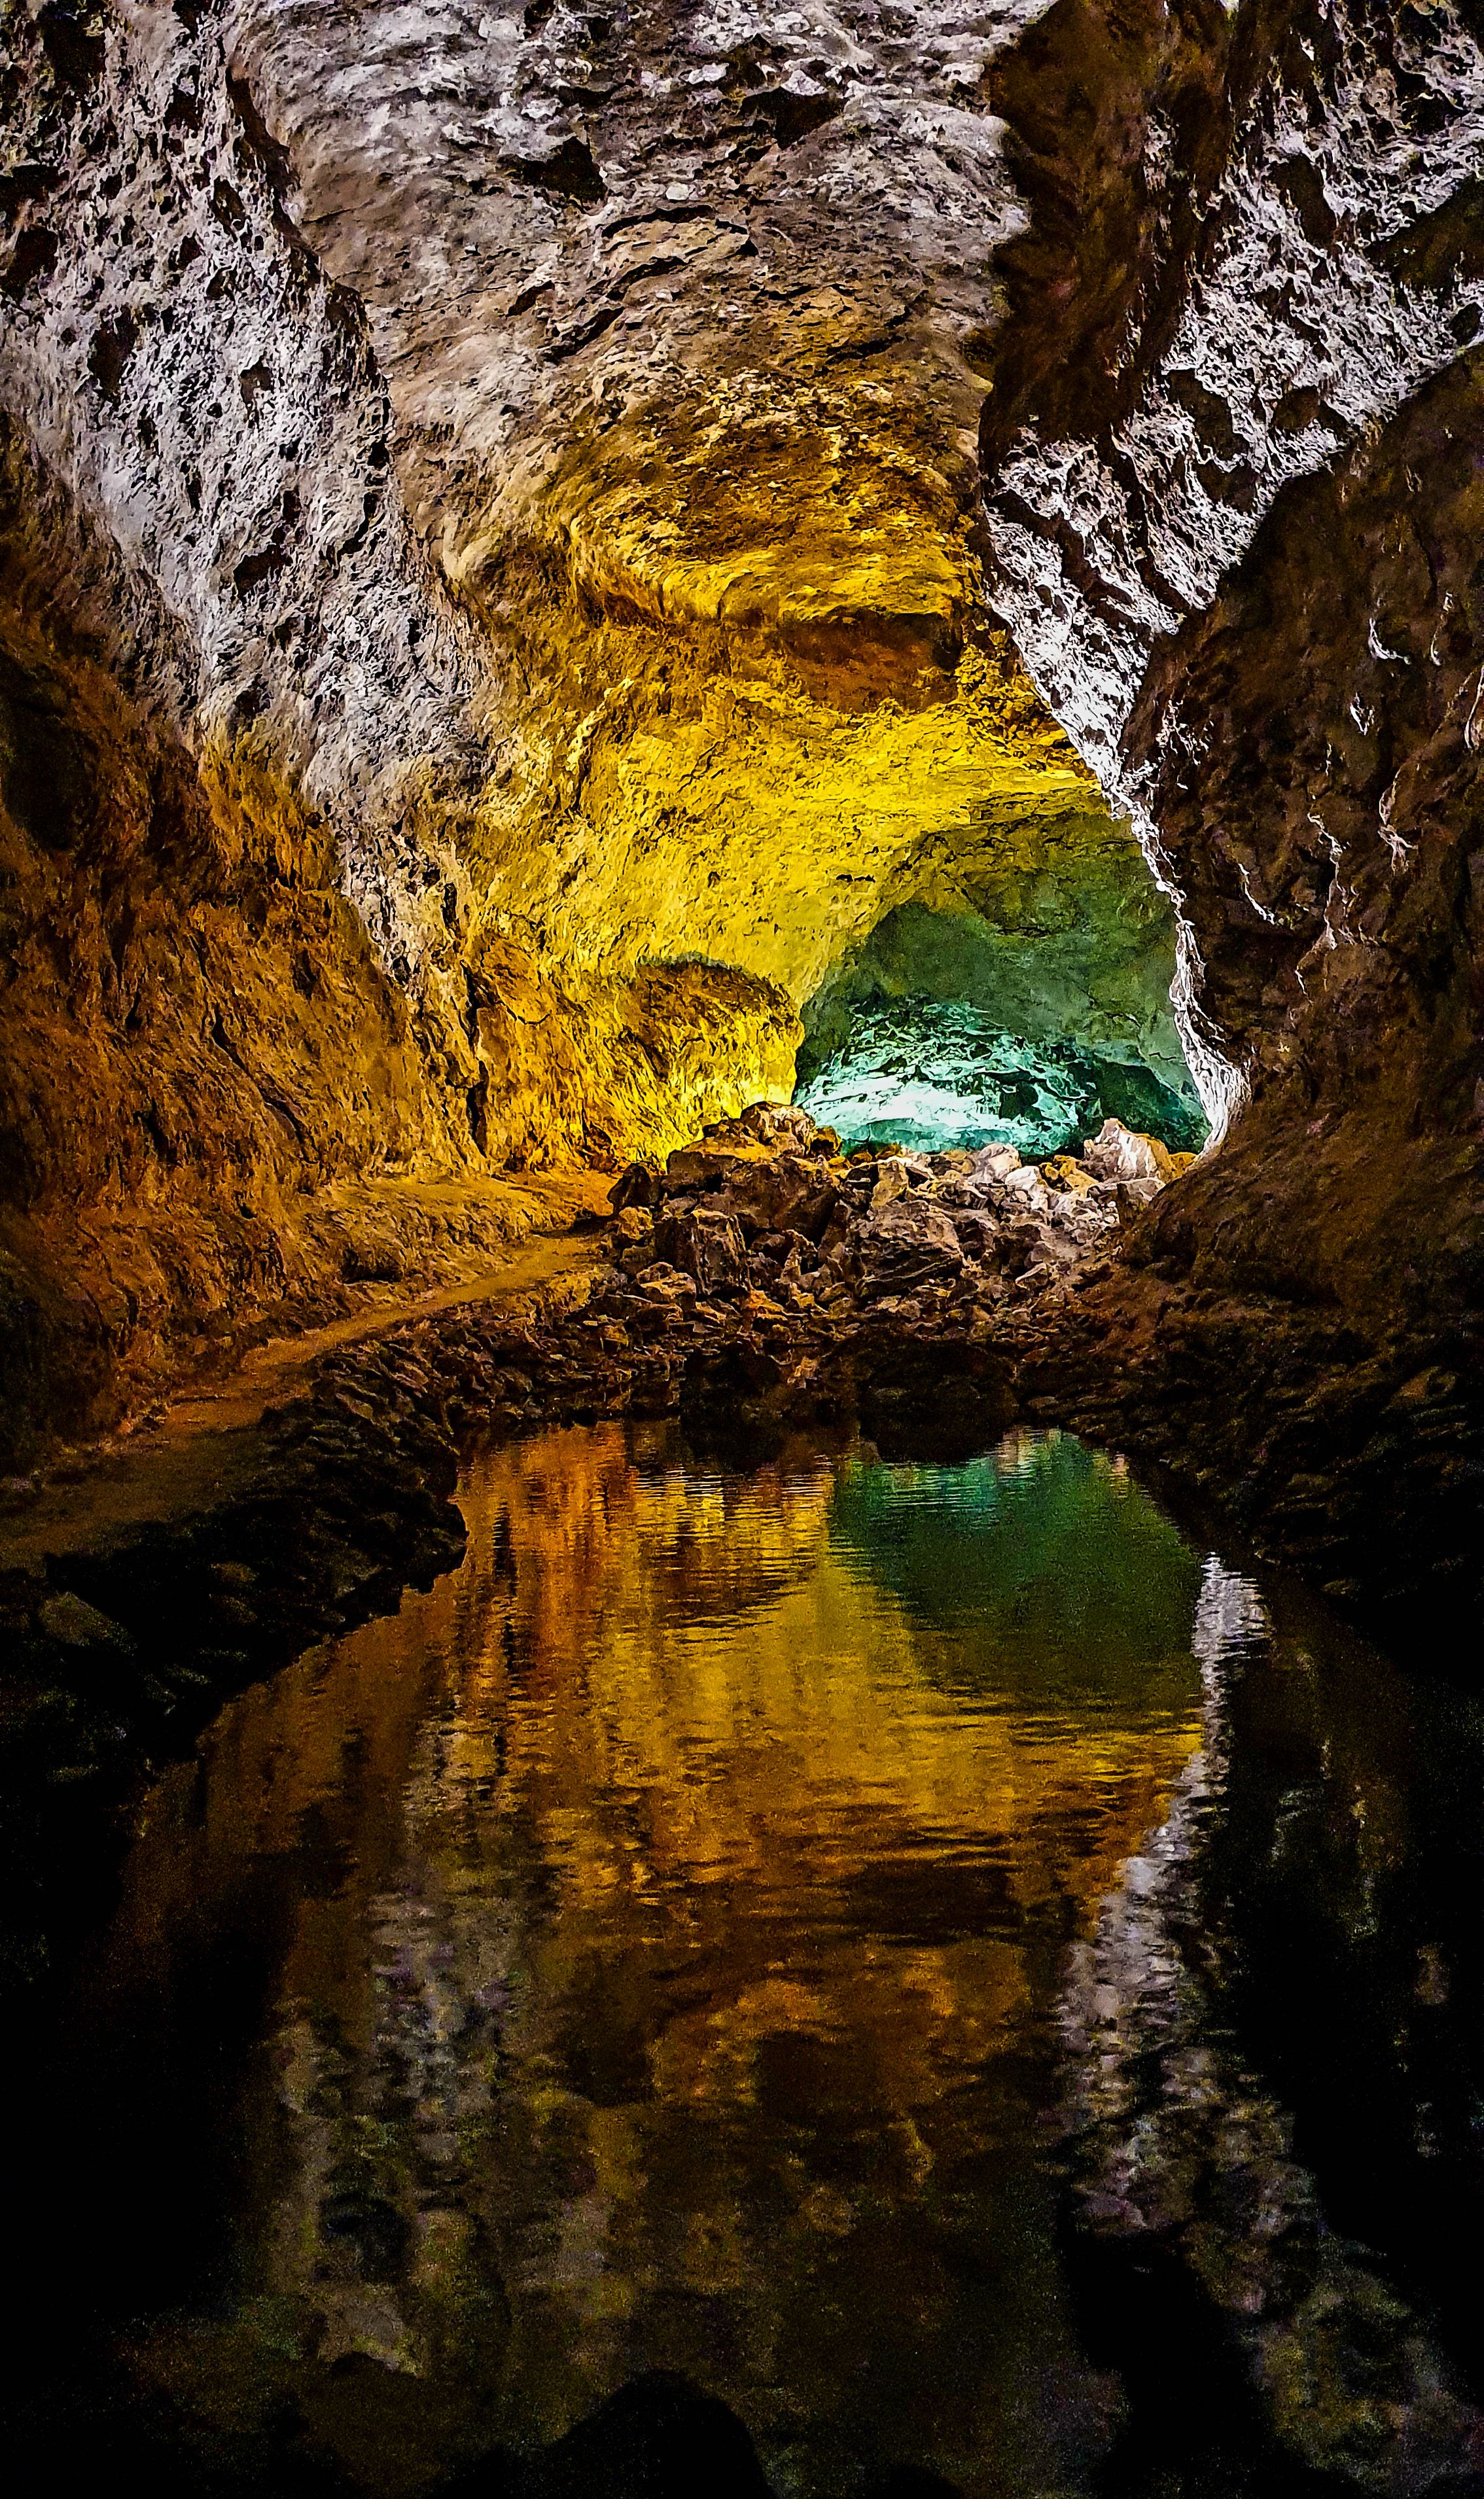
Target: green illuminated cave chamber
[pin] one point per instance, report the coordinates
(1022, 1010)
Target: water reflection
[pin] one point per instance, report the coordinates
(1245, 2069)
(660, 1928)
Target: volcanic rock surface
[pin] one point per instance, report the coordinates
(528, 537)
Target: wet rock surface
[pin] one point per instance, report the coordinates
(117, 1657)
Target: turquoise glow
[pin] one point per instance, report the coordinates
(932, 1074)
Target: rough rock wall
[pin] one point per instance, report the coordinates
(1285, 218)
(683, 314)
(1233, 504)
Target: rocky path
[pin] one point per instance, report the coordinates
(205, 1445)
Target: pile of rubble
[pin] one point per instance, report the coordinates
(766, 1211)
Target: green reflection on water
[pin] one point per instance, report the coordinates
(1055, 1575)
(667, 1914)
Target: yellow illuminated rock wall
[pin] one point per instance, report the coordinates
(762, 706)
(460, 802)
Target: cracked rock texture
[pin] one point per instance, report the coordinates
(1232, 476)
(527, 537)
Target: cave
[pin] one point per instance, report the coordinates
(1029, 1010)
(741, 1245)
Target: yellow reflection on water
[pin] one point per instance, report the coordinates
(670, 1907)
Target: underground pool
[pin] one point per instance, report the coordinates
(842, 1931)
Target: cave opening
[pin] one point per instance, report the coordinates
(1021, 1003)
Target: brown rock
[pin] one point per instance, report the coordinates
(640, 1184)
(708, 1247)
(787, 1193)
(892, 1182)
(1028, 1243)
(976, 1233)
(994, 1162)
(1065, 1173)
(908, 1243)
(691, 1169)
(1118, 1152)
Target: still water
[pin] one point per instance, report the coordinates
(647, 1949)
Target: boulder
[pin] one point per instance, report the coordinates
(994, 1162)
(781, 1245)
(641, 1185)
(706, 1245)
(69, 1619)
(1063, 1172)
(783, 1193)
(633, 1258)
(1087, 1215)
(693, 1168)
(1029, 1242)
(892, 1181)
(976, 1233)
(760, 1304)
(776, 1123)
(661, 1280)
(1118, 1152)
(908, 1243)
